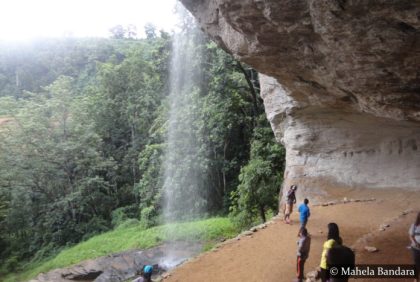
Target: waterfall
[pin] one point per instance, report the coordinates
(184, 165)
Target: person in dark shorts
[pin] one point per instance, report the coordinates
(290, 201)
(414, 233)
(304, 213)
(304, 245)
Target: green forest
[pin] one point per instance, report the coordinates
(83, 126)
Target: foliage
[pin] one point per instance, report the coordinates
(83, 151)
(29, 66)
(121, 32)
(149, 188)
(260, 179)
(56, 171)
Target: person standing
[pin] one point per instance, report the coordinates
(304, 213)
(414, 233)
(340, 256)
(290, 201)
(333, 239)
(304, 245)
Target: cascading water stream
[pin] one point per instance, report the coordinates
(183, 167)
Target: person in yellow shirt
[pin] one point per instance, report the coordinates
(333, 239)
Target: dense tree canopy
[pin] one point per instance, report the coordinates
(84, 147)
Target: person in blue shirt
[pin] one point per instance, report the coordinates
(146, 274)
(304, 213)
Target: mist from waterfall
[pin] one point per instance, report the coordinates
(183, 167)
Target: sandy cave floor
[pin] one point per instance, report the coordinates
(269, 255)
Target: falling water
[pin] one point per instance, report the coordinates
(183, 197)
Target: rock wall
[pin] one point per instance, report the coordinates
(329, 148)
(341, 84)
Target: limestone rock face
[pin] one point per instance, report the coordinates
(341, 83)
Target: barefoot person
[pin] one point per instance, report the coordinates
(333, 239)
(290, 200)
(415, 244)
(304, 245)
(304, 213)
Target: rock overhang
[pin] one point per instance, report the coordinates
(341, 82)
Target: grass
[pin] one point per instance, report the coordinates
(133, 237)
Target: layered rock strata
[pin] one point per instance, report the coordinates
(341, 83)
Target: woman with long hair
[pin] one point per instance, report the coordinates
(414, 233)
(333, 239)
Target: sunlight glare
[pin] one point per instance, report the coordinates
(25, 19)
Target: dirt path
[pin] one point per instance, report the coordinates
(269, 254)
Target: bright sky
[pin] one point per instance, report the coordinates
(25, 19)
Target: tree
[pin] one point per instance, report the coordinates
(121, 32)
(149, 188)
(128, 95)
(117, 32)
(56, 172)
(150, 31)
(260, 179)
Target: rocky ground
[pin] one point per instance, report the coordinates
(367, 218)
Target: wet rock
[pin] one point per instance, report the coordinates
(82, 275)
(121, 266)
